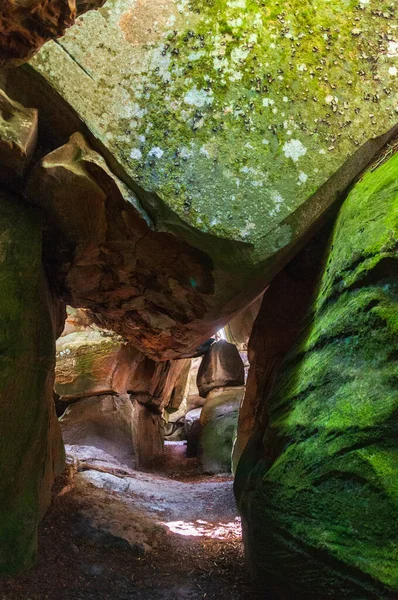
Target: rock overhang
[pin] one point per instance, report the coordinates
(235, 125)
(233, 113)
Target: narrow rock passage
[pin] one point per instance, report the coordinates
(113, 533)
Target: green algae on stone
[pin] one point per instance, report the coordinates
(29, 429)
(319, 493)
(234, 113)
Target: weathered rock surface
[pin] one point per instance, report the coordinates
(276, 328)
(218, 420)
(318, 489)
(26, 26)
(237, 125)
(148, 434)
(221, 366)
(30, 444)
(106, 257)
(239, 329)
(192, 429)
(104, 422)
(18, 137)
(94, 361)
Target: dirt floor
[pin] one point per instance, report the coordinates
(113, 533)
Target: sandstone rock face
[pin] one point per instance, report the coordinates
(91, 362)
(218, 421)
(277, 327)
(239, 329)
(318, 489)
(106, 256)
(221, 366)
(18, 137)
(104, 422)
(30, 444)
(192, 429)
(148, 434)
(237, 126)
(26, 26)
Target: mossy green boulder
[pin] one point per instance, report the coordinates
(318, 490)
(30, 443)
(237, 123)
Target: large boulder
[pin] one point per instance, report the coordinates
(94, 361)
(218, 420)
(103, 422)
(221, 366)
(237, 126)
(31, 448)
(26, 26)
(318, 488)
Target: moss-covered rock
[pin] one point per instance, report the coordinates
(30, 444)
(218, 421)
(319, 491)
(237, 123)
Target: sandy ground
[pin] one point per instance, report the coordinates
(113, 533)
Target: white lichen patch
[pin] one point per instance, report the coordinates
(294, 149)
(198, 97)
(156, 152)
(136, 154)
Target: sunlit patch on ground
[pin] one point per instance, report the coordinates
(199, 528)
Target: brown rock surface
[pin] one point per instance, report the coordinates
(148, 434)
(221, 366)
(105, 422)
(18, 136)
(275, 329)
(26, 26)
(94, 361)
(105, 256)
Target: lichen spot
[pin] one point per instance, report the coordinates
(294, 149)
(199, 98)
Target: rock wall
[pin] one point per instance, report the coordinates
(31, 448)
(26, 26)
(276, 328)
(114, 396)
(318, 489)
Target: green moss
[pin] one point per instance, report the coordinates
(26, 365)
(320, 504)
(233, 113)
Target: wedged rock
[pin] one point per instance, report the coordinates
(104, 422)
(31, 447)
(18, 137)
(239, 329)
(277, 326)
(148, 434)
(26, 26)
(218, 420)
(221, 366)
(192, 430)
(94, 361)
(105, 255)
(237, 125)
(318, 489)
